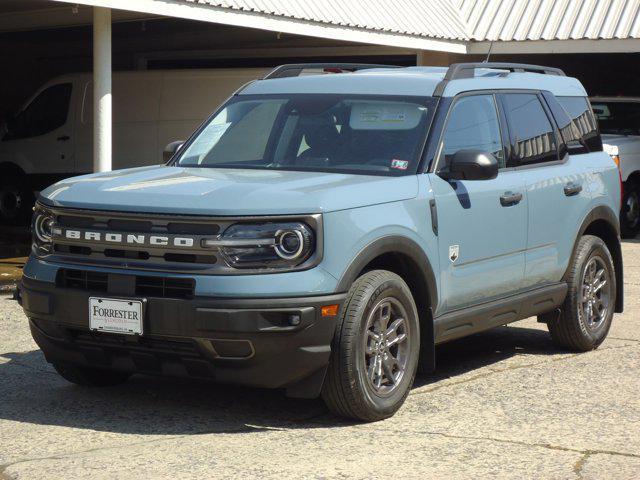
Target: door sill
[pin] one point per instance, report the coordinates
(477, 318)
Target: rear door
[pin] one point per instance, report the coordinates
(481, 237)
(556, 185)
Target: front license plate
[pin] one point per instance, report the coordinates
(115, 316)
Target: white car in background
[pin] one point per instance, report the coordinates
(51, 137)
(619, 120)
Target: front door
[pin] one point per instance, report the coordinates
(482, 224)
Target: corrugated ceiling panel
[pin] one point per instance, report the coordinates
(427, 18)
(479, 20)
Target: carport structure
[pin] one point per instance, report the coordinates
(436, 31)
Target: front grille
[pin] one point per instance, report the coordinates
(129, 254)
(165, 287)
(157, 345)
(153, 242)
(82, 280)
(145, 286)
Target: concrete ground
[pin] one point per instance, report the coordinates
(504, 404)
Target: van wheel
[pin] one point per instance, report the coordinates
(630, 214)
(374, 354)
(90, 377)
(587, 312)
(16, 200)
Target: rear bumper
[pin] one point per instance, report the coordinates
(251, 342)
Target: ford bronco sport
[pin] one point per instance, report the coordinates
(323, 233)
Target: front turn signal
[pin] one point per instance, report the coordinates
(330, 310)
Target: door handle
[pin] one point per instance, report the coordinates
(63, 138)
(571, 189)
(509, 198)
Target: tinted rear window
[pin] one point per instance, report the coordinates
(585, 126)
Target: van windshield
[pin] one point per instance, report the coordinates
(380, 135)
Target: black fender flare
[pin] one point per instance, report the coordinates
(410, 249)
(391, 244)
(606, 214)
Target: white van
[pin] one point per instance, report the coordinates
(51, 137)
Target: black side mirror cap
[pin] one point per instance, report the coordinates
(171, 149)
(471, 165)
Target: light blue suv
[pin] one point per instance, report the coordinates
(323, 233)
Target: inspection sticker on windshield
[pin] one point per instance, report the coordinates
(399, 164)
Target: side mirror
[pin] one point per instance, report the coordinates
(471, 165)
(171, 149)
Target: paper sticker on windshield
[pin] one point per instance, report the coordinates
(383, 115)
(399, 164)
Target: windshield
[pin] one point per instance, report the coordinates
(618, 118)
(342, 133)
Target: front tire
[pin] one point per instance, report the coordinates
(90, 377)
(374, 354)
(586, 315)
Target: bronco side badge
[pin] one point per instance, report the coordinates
(454, 252)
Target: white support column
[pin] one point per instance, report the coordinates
(101, 89)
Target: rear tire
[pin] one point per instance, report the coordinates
(585, 317)
(374, 354)
(630, 212)
(16, 199)
(90, 377)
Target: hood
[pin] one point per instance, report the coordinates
(621, 144)
(209, 191)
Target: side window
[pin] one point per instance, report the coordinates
(473, 125)
(532, 133)
(47, 112)
(584, 123)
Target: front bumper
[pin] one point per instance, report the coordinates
(249, 342)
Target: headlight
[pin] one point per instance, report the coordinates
(42, 226)
(265, 245)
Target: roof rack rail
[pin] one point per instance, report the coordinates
(295, 69)
(467, 70)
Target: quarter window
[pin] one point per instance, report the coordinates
(533, 136)
(473, 125)
(585, 128)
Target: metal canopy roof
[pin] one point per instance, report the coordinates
(457, 26)
(430, 18)
(476, 20)
(508, 20)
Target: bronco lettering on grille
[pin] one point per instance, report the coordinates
(128, 239)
